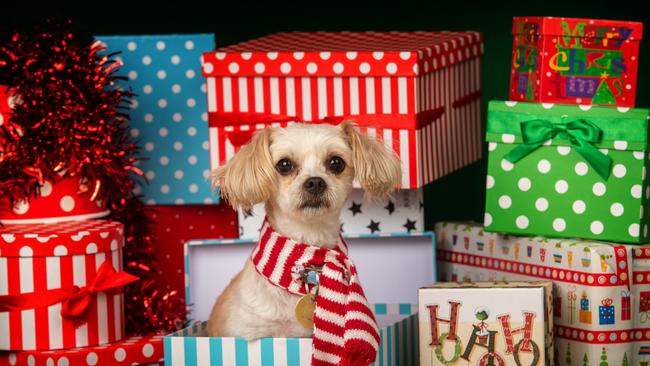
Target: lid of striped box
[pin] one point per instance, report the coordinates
(343, 54)
(60, 239)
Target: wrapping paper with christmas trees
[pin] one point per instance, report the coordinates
(568, 171)
(601, 290)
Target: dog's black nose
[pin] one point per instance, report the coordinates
(315, 185)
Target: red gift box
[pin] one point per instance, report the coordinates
(419, 92)
(5, 105)
(178, 224)
(57, 202)
(147, 350)
(46, 270)
(575, 61)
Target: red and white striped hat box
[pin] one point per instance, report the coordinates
(40, 257)
(419, 92)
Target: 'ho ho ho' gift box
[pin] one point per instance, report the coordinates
(391, 269)
(486, 323)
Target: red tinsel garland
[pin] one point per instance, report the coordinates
(69, 118)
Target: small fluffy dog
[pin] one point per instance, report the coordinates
(304, 174)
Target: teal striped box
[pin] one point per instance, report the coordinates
(374, 254)
(191, 346)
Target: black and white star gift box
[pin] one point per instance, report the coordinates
(403, 212)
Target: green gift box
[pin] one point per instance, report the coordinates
(568, 171)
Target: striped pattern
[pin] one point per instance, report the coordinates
(44, 328)
(398, 345)
(441, 146)
(344, 326)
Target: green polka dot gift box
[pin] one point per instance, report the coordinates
(568, 171)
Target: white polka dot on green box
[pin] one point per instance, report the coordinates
(568, 171)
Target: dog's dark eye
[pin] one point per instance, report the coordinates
(335, 164)
(284, 166)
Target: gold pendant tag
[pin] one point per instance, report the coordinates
(305, 310)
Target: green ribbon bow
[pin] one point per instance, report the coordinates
(581, 134)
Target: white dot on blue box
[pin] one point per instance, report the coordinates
(168, 114)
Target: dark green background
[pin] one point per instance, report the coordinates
(458, 196)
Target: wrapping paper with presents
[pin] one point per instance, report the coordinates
(477, 323)
(418, 92)
(575, 61)
(602, 291)
(403, 212)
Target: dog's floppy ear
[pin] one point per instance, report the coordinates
(249, 177)
(377, 168)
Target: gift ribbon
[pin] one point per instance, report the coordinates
(607, 301)
(75, 299)
(396, 121)
(581, 134)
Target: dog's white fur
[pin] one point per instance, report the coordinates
(250, 306)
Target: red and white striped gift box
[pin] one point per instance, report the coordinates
(42, 259)
(419, 92)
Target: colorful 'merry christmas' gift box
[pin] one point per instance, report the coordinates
(403, 211)
(60, 285)
(568, 171)
(132, 350)
(419, 92)
(483, 326)
(393, 294)
(168, 114)
(602, 290)
(575, 61)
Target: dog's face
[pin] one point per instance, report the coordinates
(307, 170)
(314, 169)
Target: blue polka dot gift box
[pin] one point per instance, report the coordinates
(568, 171)
(169, 113)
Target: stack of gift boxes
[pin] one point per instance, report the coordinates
(568, 159)
(418, 93)
(61, 282)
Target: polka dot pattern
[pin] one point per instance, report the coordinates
(59, 201)
(554, 192)
(170, 108)
(60, 239)
(133, 350)
(376, 54)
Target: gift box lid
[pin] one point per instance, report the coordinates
(133, 350)
(593, 28)
(547, 285)
(60, 239)
(622, 128)
(343, 54)
(371, 253)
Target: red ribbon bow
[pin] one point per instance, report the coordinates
(75, 299)
(607, 301)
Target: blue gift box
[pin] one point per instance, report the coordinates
(373, 254)
(606, 313)
(584, 304)
(169, 113)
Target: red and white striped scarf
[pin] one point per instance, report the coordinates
(345, 329)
